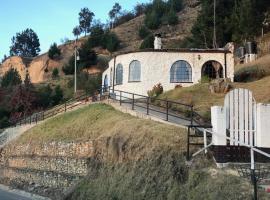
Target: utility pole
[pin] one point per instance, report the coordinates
(215, 32)
(75, 68)
(76, 54)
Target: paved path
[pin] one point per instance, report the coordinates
(5, 195)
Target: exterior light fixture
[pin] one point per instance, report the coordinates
(199, 57)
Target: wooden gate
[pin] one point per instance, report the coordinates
(240, 109)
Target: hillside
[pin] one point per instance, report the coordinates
(172, 35)
(125, 157)
(40, 68)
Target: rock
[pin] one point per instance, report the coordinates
(220, 86)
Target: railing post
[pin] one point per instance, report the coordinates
(192, 116)
(167, 110)
(65, 106)
(43, 116)
(36, 118)
(188, 141)
(30, 119)
(133, 101)
(147, 106)
(120, 98)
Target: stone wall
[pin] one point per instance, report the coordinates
(53, 167)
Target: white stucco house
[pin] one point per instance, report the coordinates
(137, 72)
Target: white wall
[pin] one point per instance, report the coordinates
(155, 68)
(263, 125)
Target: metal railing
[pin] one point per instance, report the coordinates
(61, 108)
(164, 107)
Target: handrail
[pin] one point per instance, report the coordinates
(44, 114)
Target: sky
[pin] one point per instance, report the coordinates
(52, 20)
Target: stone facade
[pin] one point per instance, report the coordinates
(156, 65)
(53, 167)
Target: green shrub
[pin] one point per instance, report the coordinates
(54, 51)
(156, 91)
(172, 18)
(143, 32)
(44, 96)
(55, 73)
(68, 69)
(57, 95)
(249, 74)
(148, 42)
(205, 79)
(152, 20)
(111, 42)
(11, 78)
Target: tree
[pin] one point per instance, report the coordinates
(68, 68)
(25, 44)
(77, 31)
(85, 20)
(88, 57)
(148, 42)
(27, 81)
(143, 32)
(54, 51)
(11, 78)
(57, 96)
(111, 42)
(172, 17)
(176, 5)
(152, 20)
(55, 73)
(114, 12)
(44, 94)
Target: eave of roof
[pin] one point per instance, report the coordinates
(176, 51)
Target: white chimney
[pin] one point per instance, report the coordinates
(157, 42)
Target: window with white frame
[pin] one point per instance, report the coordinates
(181, 72)
(135, 71)
(119, 74)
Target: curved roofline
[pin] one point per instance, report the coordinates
(175, 51)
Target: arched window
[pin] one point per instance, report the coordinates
(135, 71)
(119, 74)
(181, 72)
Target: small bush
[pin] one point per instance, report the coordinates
(11, 78)
(205, 79)
(57, 95)
(152, 20)
(172, 18)
(143, 32)
(148, 42)
(156, 91)
(111, 42)
(55, 73)
(249, 74)
(68, 69)
(54, 51)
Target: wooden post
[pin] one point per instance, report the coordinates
(188, 133)
(65, 106)
(120, 98)
(36, 118)
(167, 111)
(192, 115)
(133, 101)
(147, 106)
(43, 116)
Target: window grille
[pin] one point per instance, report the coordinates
(135, 71)
(119, 74)
(181, 72)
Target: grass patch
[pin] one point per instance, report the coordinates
(200, 96)
(102, 121)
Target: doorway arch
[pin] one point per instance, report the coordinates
(212, 69)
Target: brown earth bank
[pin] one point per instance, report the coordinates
(97, 152)
(40, 68)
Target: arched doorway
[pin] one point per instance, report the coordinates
(212, 70)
